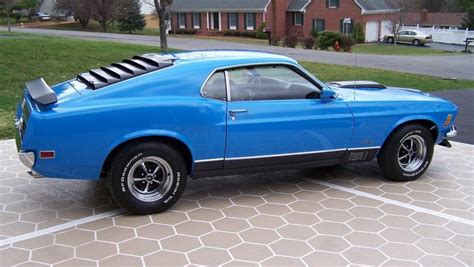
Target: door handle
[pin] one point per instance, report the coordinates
(235, 112)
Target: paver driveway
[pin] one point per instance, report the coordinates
(305, 217)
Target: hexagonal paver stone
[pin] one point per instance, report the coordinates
(305, 206)
(250, 252)
(296, 232)
(301, 218)
(285, 188)
(267, 221)
(319, 258)
(397, 263)
(402, 251)
(364, 256)
(366, 212)
(463, 241)
(209, 256)
(395, 210)
(166, 258)
(466, 257)
(97, 225)
(259, 235)
(75, 237)
(13, 256)
(193, 228)
(115, 234)
(331, 228)
(96, 250)
(335, 215)
(278, 198)
(338, 204)
(254, 190)
(292, 248)
(204, 214)
(435, 260)
(398, 221)
(433, 231)
(52, 254)
(169, 217)
(239, 212)
(139, 246)
(75, 262)
(282, 261)
(16, 228)
(400, 235)
(215, 203)
(132, 221)
(36, 242)
(329, 243)
(273, 209)
(437, 247)
(180, 243)
(365, 239)
(250, 201)
(38, 216)
(184, 205)
(220, 240)
(121, 260)
(310, 196)
(366, 225)
(155, 231)
(231, 225)
(75, 213)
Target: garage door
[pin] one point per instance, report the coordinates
(372, 31)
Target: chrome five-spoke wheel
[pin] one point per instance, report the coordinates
(150, 179)
(412, 153)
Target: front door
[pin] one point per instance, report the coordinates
(276, 116)
(214, 21)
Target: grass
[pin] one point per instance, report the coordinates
(400, 49)
(24, 57)
(93, 26)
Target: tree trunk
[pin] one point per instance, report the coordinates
(84, 23)
(163, 28)
(8, 20)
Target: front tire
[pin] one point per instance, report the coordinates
(147, 177)
(416, 42)
(407, 154)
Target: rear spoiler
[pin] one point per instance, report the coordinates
(40, 92)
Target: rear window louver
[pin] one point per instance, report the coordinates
(128, 68)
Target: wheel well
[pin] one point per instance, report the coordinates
(429, 125)
(180, 146)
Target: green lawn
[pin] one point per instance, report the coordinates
(25, 57)
(95, 27)
(399, 49)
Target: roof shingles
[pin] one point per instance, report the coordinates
(298, 5)
(219, 5)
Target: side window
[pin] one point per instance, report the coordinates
(269, 83)
(215, 87)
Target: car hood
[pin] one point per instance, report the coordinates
(386, 94)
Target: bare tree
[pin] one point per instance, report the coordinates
(8, 5)
(81, 9)
(161, 6)
(398, 18)
(104, 12)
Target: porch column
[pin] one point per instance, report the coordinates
(220, 22)
(207, 20)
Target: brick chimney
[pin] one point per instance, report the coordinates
(423, 15)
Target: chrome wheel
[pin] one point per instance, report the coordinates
(412, 153)
(150, 178)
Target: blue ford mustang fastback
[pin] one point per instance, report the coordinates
(149, 123)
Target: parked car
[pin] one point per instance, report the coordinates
(414, 37)
(147, 124)
(42, 16)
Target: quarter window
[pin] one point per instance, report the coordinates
(269, 83)
(215, 87)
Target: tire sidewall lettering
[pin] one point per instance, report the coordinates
(124, 176)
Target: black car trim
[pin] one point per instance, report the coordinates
(128, 68)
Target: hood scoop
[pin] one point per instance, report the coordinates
(128, 68)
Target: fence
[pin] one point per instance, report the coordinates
(447, 36)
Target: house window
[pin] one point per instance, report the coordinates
(196, 20)
(298, 18)
(347, 24)
(250, 21)
(233, 21)
(319, 25)
(332, 3)
(182, 20)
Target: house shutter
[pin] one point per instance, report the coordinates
(185, 20)
(237, 15)
(255, 21)
(228, 20)
(302, 19)
(245, 21)
(323, 23)
(341, 25)
(327, 3)
(351, 27)
(293, 19)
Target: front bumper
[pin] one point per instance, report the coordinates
(453, 132)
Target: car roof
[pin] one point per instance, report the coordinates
(229, 57)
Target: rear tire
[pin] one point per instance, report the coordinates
(416, 42)
(390, 40)
(147, 177)
(407, 154)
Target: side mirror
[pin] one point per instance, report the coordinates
(327, 95)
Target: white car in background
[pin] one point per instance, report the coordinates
(42, 16)
(414, 37)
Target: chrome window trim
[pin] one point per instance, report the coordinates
(295, 65)
(227, 86)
